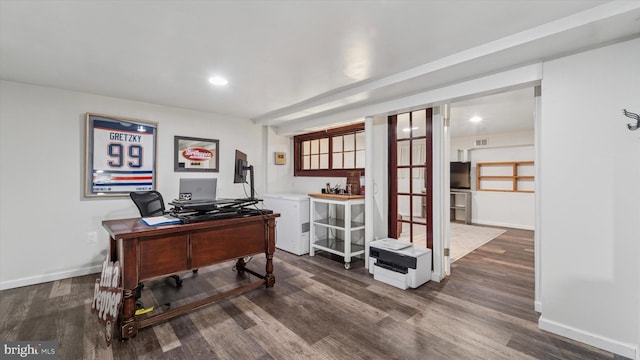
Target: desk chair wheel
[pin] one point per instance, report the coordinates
(137, 296)
(195, 271)
(138, 293)
(177, 279)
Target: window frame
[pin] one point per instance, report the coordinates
(323, 134)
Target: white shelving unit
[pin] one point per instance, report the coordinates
(461, 202)
(337, 225)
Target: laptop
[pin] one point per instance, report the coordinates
(194, 191)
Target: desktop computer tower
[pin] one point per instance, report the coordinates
(292, 227)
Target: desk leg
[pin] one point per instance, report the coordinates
(128, 325)
(128, 257)
(269, 278)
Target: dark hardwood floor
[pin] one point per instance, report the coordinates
(318, 310)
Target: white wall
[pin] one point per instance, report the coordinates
(279, 177)
(44, 219)
(493, 141)
(590, 198)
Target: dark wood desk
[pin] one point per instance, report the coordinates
(149, 252)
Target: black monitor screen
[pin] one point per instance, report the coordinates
(240, 171)
(460, 175)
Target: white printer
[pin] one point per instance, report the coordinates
(399, 263)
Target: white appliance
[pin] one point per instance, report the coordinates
(292, 227)
(399, 264)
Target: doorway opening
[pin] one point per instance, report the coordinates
(492, 129)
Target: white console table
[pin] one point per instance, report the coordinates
(337, 225)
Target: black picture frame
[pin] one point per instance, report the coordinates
(192, 154)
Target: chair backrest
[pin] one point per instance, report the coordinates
(149, 203)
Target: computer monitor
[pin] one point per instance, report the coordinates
(241, 167)
(240, 171)
(198, 189)
(460, 175)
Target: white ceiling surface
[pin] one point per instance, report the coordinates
(289, 62)
(505, 112)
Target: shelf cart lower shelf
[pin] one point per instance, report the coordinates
(336, 246)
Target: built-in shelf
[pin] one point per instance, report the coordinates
(505, 176)
(460, 203)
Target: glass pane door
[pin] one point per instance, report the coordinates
(410, 199)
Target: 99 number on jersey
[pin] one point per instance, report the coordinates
(134, 153)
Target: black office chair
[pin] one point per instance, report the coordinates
(150, 203)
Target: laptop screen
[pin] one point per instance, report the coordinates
(199, 189)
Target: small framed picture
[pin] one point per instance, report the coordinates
(280, 158)
(195, 154)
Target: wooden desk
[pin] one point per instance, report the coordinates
(149, 252)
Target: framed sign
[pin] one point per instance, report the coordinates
(120, 155)
(279, 158)
(195, 154)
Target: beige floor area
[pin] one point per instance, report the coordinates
(464, 238)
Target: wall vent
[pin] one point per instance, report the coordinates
(481, 142)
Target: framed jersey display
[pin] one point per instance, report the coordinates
(120, 155)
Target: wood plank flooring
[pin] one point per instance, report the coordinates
(317, 310)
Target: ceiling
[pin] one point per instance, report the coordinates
(504, 112)
(289, 62)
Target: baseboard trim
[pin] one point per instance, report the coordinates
(627, 350)
(33, 280)
(537, 306)
(501, 224)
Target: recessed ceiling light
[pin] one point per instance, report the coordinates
(218, 80)
(475, 119)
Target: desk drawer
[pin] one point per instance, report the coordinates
(224, 244)
(162, 255)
